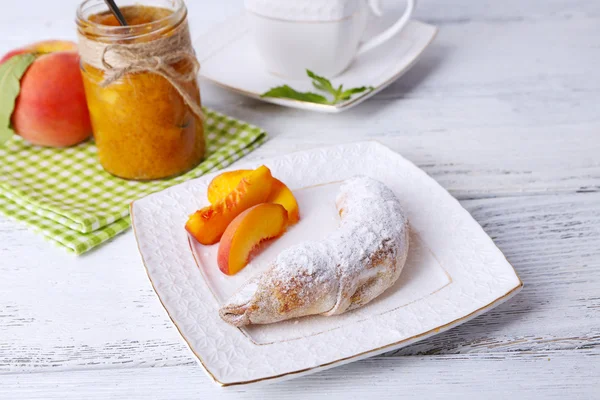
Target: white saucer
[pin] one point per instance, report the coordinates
(229, 59)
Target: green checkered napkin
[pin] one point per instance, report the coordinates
(67, 196)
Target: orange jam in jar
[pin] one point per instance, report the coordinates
(141, 88)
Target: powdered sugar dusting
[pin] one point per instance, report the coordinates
(347, 269)
(372, 221)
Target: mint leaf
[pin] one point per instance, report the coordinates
(320, 83)
(347, 94)
(11, 72)
(287, 92)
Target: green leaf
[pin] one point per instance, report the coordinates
(321, 83)
(346, 95)
(287, 92)
(11, 72)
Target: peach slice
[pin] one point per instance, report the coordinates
(281, 194)
(224, 183)
(245, 234)
(208, 224)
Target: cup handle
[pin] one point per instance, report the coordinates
(391, 31)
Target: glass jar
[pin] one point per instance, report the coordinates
(145, 107)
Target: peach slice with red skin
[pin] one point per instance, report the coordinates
(246, 232)
(208, 224)
(224, 183)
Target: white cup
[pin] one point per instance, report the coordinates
(321, 35)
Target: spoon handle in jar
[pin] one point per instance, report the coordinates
(116, 12)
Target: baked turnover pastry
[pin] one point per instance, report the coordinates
(346, 270)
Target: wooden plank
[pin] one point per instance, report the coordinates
(551, 240)
(558, 374)
(515, 162)
(553, 243)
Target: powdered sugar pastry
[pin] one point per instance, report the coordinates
(346, 270)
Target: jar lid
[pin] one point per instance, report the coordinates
(304, 10)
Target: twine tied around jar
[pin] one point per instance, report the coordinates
(155, 56)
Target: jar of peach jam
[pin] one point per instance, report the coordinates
(141, 88)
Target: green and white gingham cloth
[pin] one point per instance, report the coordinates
(67, 196)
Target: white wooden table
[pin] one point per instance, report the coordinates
(503, 110)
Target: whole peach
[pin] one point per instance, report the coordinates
(51, 109)
(46, 46)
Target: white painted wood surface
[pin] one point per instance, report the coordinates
(502, 110)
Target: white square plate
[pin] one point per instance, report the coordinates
(226, 47)
(454, 271)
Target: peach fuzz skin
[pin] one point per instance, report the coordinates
(47, 46)
(245, 234)
(51, 109)
(208, 224)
